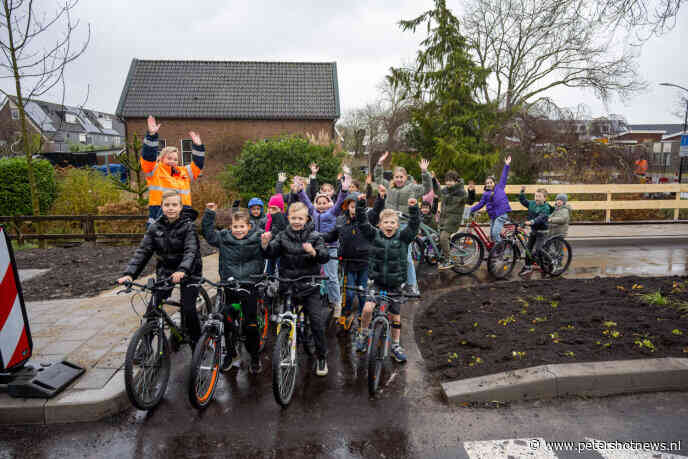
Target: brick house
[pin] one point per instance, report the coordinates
(229, 102)
(63, 128)
(646, 133)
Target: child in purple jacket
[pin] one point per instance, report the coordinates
(324, 216)
(497, 202)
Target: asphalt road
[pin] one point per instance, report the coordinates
(334, 417)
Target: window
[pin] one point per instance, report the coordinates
(82, 138)
(15, 114)
(162, 143)
(70, 118)
(187, 145)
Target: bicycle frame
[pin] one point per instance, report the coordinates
(380, 315)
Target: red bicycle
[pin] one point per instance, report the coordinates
(474, 238)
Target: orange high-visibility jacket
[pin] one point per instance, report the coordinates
(161, 178)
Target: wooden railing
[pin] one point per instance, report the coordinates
(609, 190)
(87, 225)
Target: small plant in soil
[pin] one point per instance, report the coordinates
(655, 298)
(531, 330)
(523, 302)
(518, 354)
(569, 354)
(475, 360)
(537, 320)
(568, 327)
(555, 337)
(637, 287)
(554, 304)
(676, 332)
(539, 299)
(506, 321)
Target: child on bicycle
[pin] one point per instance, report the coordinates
(496, 202)
(453, 200)
(301, 251)
(324, 216)
(387, 265)
(559, 217)
(538, 213)
(241, 256)
(257, 213)
(173, 240)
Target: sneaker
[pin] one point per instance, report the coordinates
(321, 368)
(337, 310)
(398, 353)
(361, 343)
(525, 270)
(412, 290)
(227, 362)
(446, 265)
(256, 366)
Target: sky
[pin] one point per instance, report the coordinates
(361, 36)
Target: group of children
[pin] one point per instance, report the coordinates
(306, 231)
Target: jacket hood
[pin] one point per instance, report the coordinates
(352, 196)
(188, 213)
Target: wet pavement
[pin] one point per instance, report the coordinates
(335, 417)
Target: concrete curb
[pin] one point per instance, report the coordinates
(589, 378)
(71, 406)
(625, 240)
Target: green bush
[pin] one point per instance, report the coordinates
(255, 173)
(82, 191)
(14, 186)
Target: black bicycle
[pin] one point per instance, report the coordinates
(293, 328)
(380, 332)
(553, 258)
(147, 361)
(207, 356)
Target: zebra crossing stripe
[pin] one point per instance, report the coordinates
(510, 448)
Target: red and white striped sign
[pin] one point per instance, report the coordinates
(15, 337)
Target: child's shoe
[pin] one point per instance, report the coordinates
(398, 353)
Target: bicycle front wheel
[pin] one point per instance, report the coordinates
(147, 367)
(376, 358)
(555, 256)
(466, 252)
(205, 364)
(204, 306)
(283, 369)
(502, 259)
(263, 325)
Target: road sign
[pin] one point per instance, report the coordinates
(683, 152)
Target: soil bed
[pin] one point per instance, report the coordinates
(506, 326)
(82, 270)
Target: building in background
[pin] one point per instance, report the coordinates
(229, 102)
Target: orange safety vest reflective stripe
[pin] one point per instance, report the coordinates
(161, 178)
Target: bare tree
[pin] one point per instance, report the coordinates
(680, 107)
(643, 18)
(36, 68)
(532, 46)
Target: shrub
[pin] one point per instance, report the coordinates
(128, 207)
(82, 191)
(255, 173)
(14, 186)
(208, 190)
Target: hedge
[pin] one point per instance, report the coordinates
(14, 186)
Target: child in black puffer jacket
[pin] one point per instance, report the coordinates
(301, 251)
(173, 239)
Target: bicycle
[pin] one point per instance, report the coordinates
(461, 249)
(553, 258)
(147, 361)
(353, 324)
(293, 327)
(480, 243)
(380, 336)
(207, 356)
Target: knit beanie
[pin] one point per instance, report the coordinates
(562, 197)
(277, 200)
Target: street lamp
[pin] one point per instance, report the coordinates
(685, 126)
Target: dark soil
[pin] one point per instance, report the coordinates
(507, 326)
(82, 270)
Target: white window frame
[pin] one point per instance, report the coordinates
(82, 138)
(72, 117)
(15, 113)
(181, 148)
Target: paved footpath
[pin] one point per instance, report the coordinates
(92, 333)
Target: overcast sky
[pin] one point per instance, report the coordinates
(361, 36)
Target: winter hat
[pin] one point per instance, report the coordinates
(429, 197)
(277, 200)
(256, 202)
(353, 196)
(563, 197)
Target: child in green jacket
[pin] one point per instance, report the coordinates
(538, 213)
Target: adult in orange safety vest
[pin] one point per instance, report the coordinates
(163, 172)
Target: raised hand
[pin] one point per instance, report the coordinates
(523, 189)
(308, 247)
(282, 177)
(412, 202)
(152, 125)
(424, 163)
(211, 206)
(195, 138)
(507, 161)
(383, 157)
(347, 170)
(381, 190)
(346, 183)
(314, 168)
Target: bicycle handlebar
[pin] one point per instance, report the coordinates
(379, 292)
(312, 277)
(231, 284)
